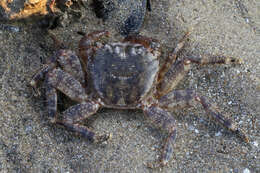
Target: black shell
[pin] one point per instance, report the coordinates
(126, 16)
(123, 73)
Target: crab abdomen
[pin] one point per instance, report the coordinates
(123, 73)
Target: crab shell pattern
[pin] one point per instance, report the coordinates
(125, 75)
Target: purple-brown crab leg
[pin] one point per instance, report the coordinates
(180, 68)
(64, 82)
(51, 100)
(40, 74)
(173, 76)
(65, 58)
(183, 98)
(214, 59)
(51, 64)
(172, 57)
(60, 80)
(165, 121)
(67, 84)
(75, 114)
(88, 44)
(70, 63)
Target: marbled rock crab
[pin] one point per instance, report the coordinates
(125, 75)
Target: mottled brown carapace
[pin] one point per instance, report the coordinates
(125, 75)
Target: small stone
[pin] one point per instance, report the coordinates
(28, 129)
(191, 128)
(196, 131)
(246, 170)
(9, 28)
(218, 134)
(255, 143)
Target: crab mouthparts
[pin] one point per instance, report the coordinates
(122, 76)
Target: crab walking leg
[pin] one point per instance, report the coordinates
(183, 98)
(51, 63)
(65, 83)
(173, 76)
(172, 57)
(77, 113)
(39, 75)
(88, 44)
(70, 63)
(215, 59)
(51, 100)
(169, 80)
(67, 60)
(165, 121)
(90, 39)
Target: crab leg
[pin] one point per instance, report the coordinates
(172, 57)
(75, 114)
(87, 44)
(215, 59)
(173, 76)
(67, 84)
(55, 80)
(51, 100)
(89, 39)
(180, 68)
(165, 121)
(70, 63)
(65, 58)
(39, 75)
(182, 98)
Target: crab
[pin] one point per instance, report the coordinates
(125, 75)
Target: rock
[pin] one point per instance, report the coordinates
(125, 16)
(20, 9)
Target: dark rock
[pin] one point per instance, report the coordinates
(126, 16)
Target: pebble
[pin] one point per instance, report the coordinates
(246, 170)
(28, 129)
(218, 134)
(9, 28)
(255, 143)
(196, 131)
(193, 128)
(126, 16)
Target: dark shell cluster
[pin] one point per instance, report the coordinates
(126, 16)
